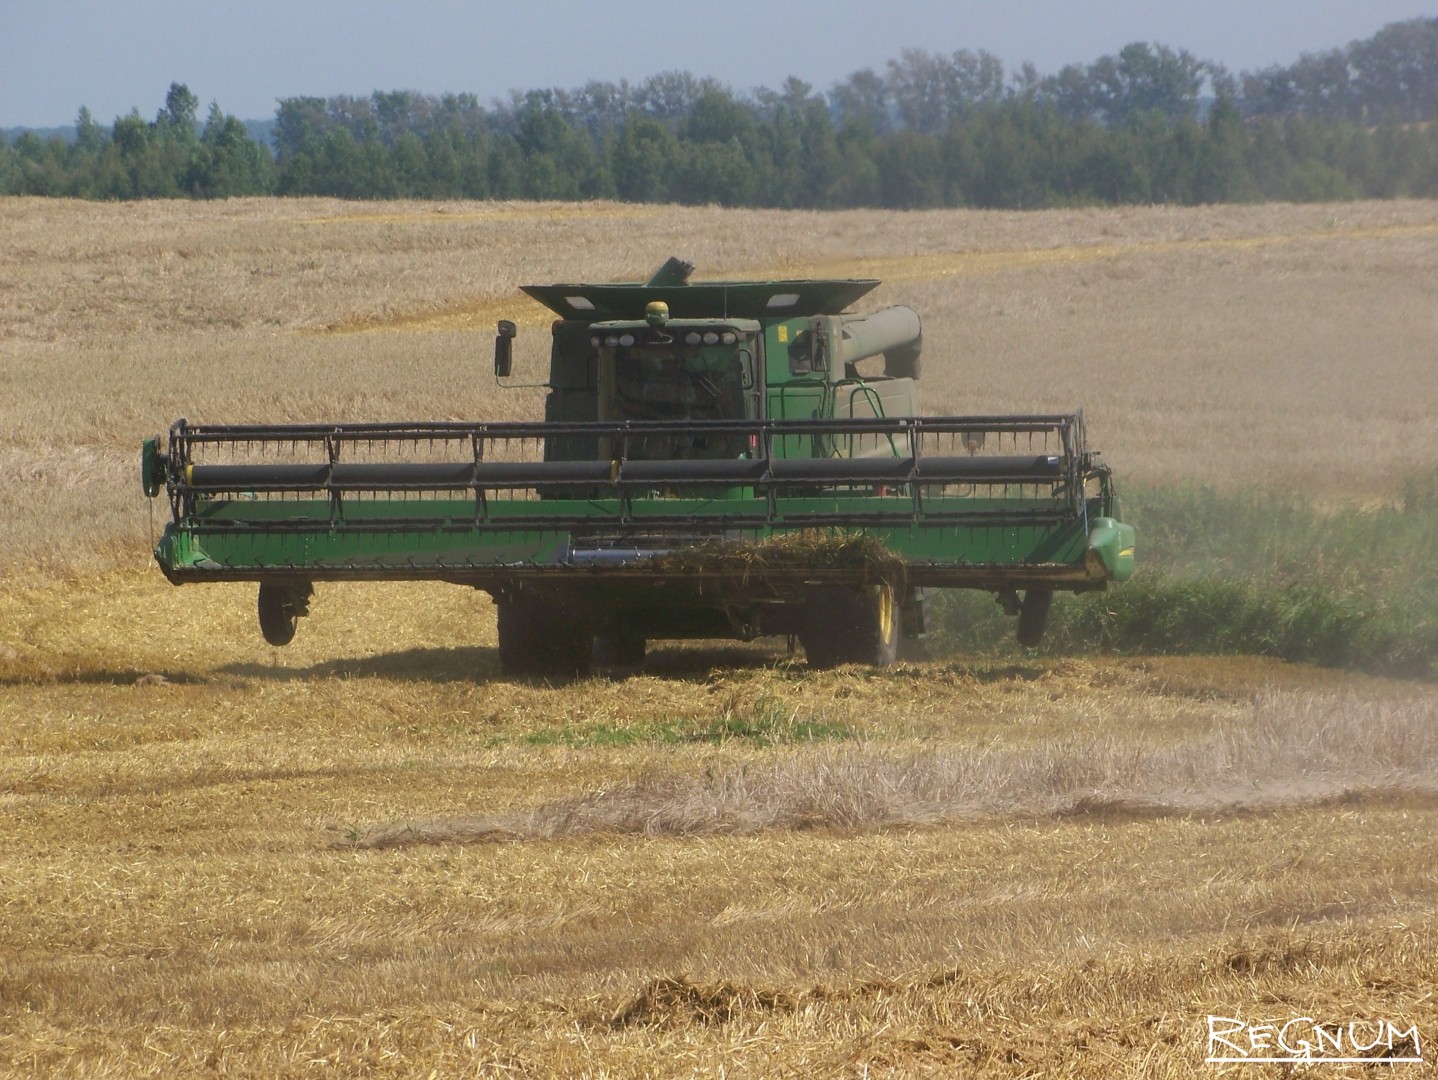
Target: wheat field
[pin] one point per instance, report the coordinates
(371, 854)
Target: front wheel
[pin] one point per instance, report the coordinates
(280, 608)
(1034, 616)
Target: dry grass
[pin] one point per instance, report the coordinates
(813, 549)
(183, 891)
(727, 864)
(1283, 751)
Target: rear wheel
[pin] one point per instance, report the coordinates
(844, 624)
(541, 637)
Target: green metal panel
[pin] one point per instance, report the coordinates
(1113, 542)
(450, 541)
(778, 337)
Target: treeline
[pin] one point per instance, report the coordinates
(172, 157)
(1149, 124)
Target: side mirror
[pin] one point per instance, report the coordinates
(504, 349)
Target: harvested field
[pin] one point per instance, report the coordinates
(370, 854)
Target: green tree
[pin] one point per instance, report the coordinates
(377, 176)
(1007, 151)
(863, 99)
(1115, 168)
(1395, 73)
(339, 168)
(544, 177)
(471, 151)
(9, 170)
(959, 163)
(713, 172)
(90, 137)
(1148, 78)
(143, 166)
(1405, 162)
(413, 179)
(716, 161)
(911, 171)
(233, 163)
(716, 117)
(1142, 78)
(181, 112)
(41, 164)
(1269, 159)
(670, 96)
(506, 169)
(442, 164)
(820, 159)
(643, 160)
(857, 181)
(931, 91)
(560, 162)
(1312, 180)
(1221, 173)
(300, 127)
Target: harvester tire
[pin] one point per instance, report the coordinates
(1034, 616)
(542, 640)
(847, 625)
(280, 607)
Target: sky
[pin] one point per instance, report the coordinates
(115, 55)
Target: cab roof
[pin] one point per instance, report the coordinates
(704, 300)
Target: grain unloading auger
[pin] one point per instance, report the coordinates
(711, 464)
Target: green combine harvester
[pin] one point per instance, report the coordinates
(711, 464)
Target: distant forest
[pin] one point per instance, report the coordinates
(1148, 125)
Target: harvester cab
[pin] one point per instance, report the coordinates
(716, 459)
(686, 353)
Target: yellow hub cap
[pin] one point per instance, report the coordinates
(886, 612)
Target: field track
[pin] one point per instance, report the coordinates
(370, 854)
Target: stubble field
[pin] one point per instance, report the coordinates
(371, 854)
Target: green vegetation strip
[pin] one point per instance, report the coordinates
(1254, 572)
(769, 721)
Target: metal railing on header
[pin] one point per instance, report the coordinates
(920, 468)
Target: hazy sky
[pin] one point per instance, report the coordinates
(113, 55)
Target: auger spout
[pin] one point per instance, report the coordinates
(894, 330)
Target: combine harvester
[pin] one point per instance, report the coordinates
(711, 465)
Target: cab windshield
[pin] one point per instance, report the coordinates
(674, 382)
